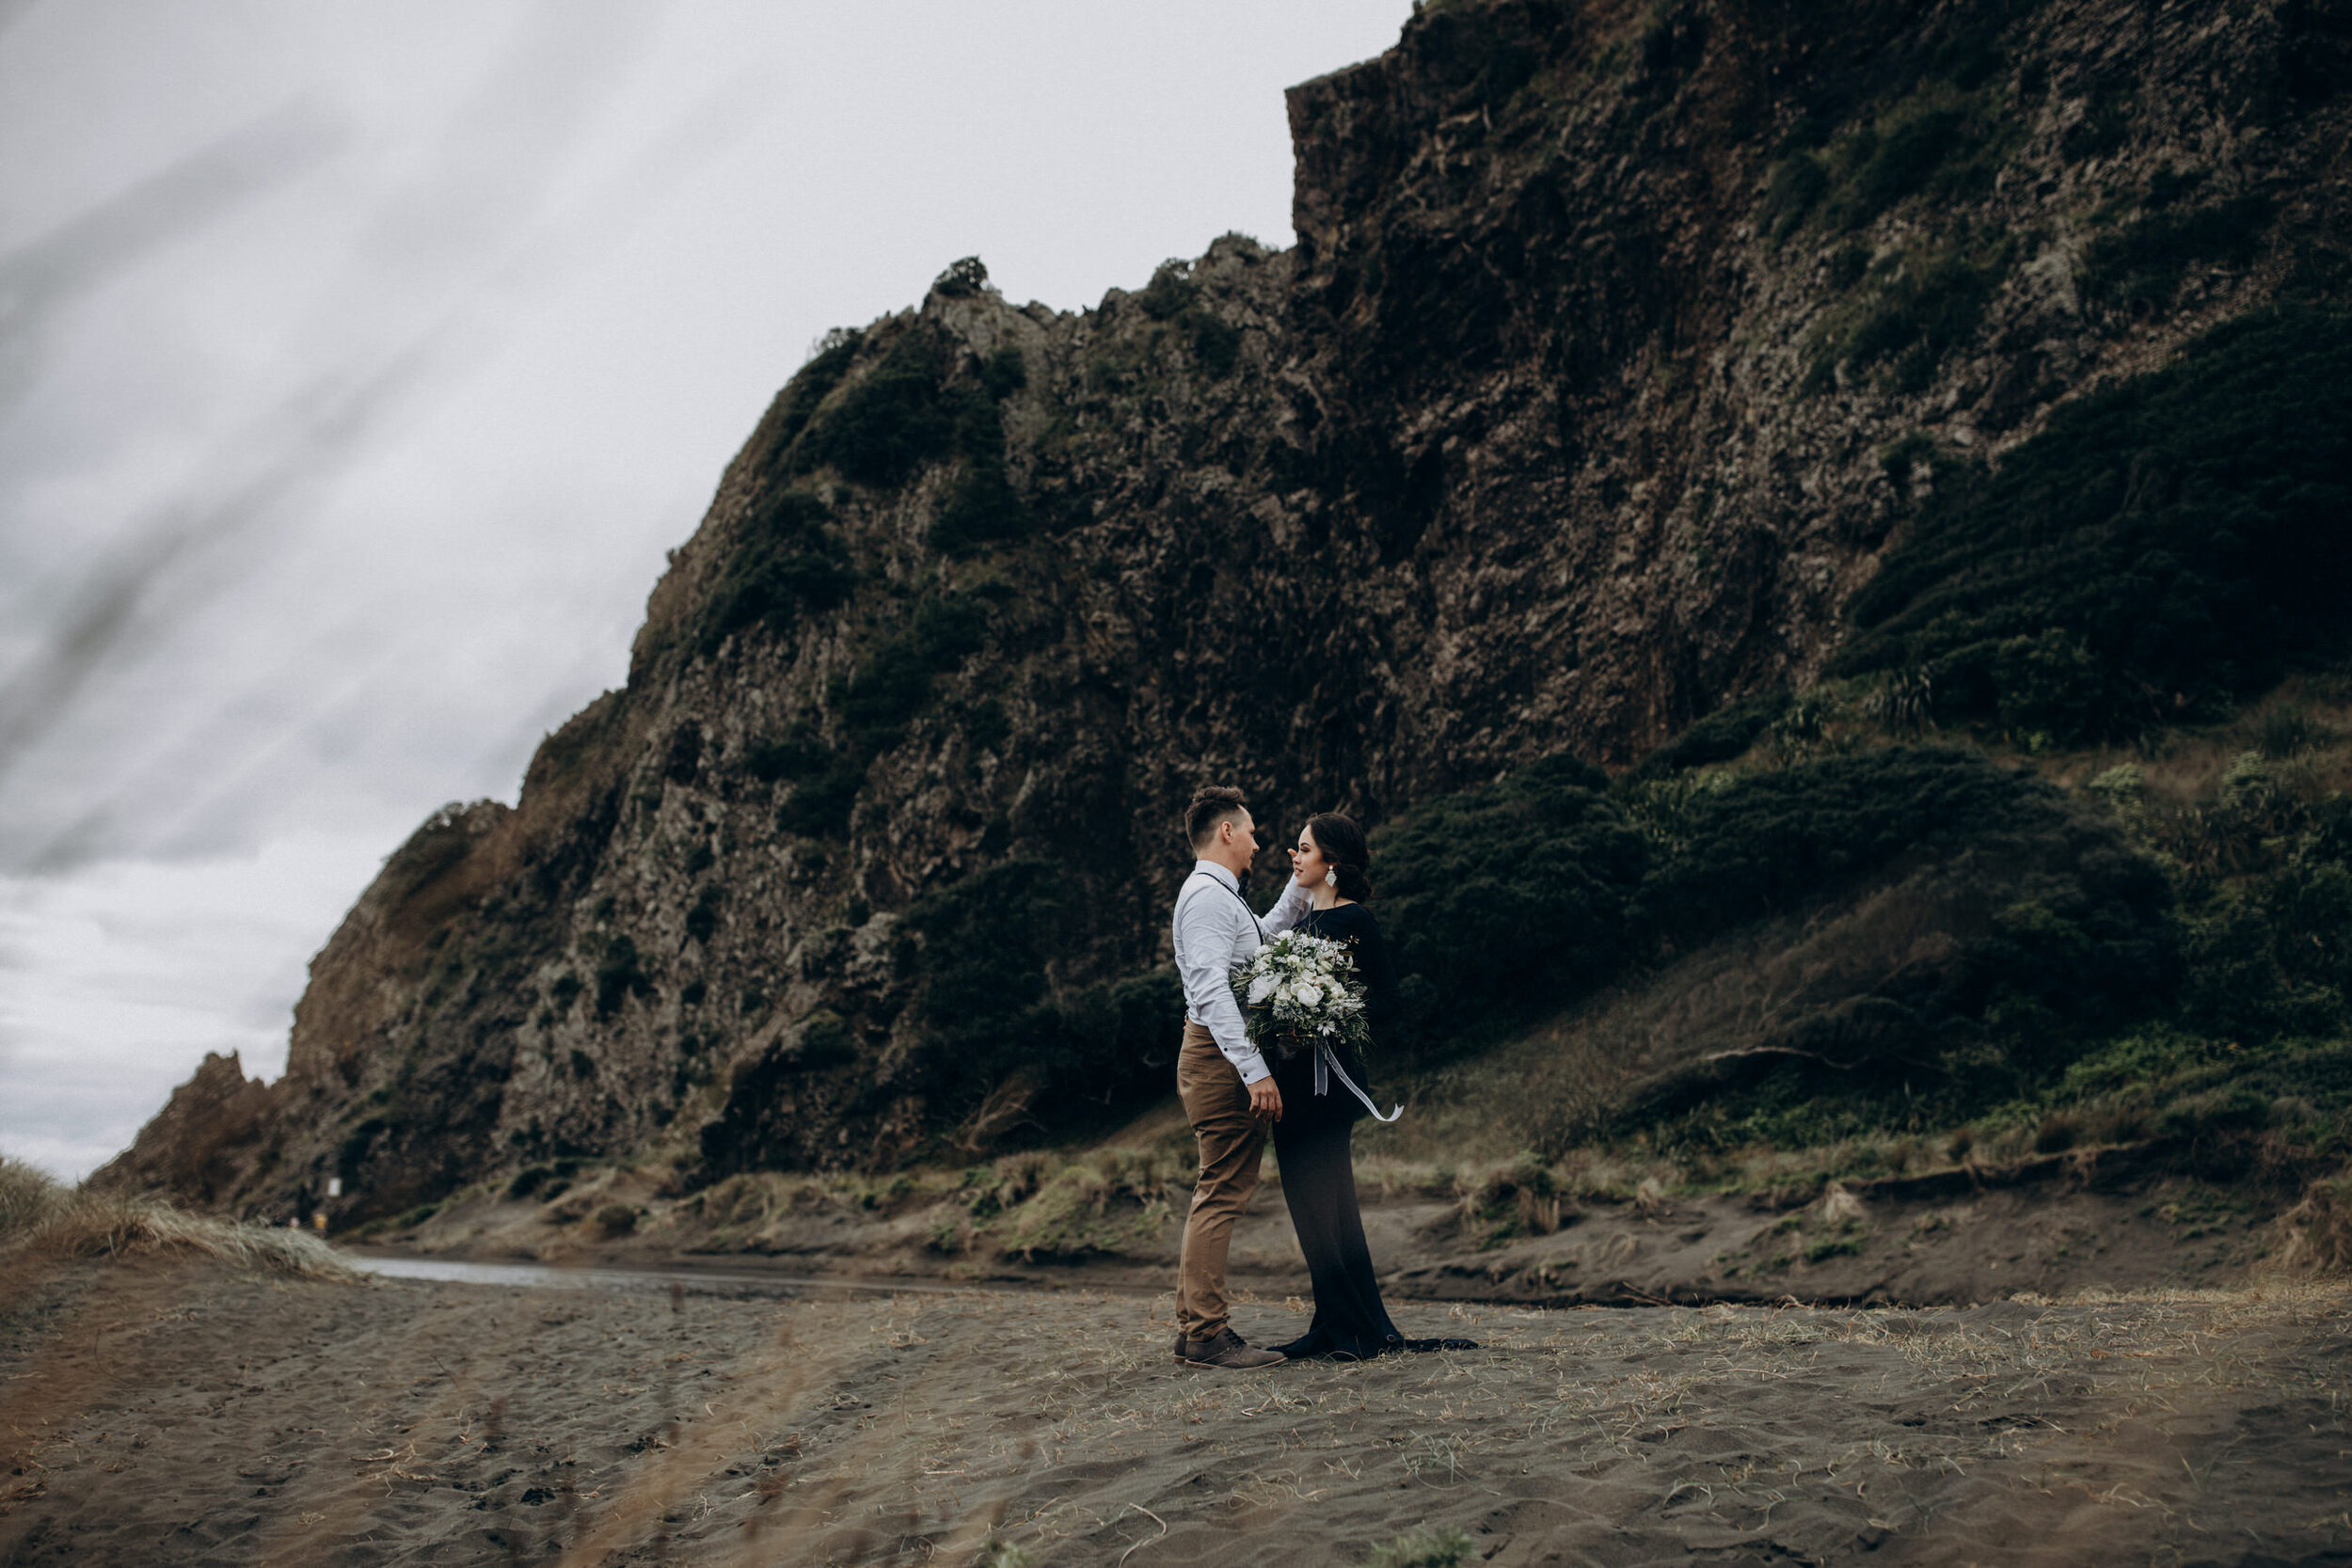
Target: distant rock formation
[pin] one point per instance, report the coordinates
(210, 1141)
(1615, 346)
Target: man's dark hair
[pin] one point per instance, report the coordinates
(1210, 807)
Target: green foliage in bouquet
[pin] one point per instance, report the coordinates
(1299, 989)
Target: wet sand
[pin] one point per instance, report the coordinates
(158, 1413)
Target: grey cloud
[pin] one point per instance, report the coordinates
(469, 230)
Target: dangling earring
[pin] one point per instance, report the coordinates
(1331, 878)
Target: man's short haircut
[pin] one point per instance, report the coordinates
(1210, 807)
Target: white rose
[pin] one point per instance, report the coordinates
(1261, 988)
(1309, 995)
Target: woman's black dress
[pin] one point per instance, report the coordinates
(1310, 1143)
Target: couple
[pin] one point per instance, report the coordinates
(1232, 1095)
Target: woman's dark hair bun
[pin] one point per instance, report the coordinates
(1343, 844)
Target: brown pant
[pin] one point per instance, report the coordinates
(1232, 1140)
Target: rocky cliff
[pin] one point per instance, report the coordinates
(1617, 344)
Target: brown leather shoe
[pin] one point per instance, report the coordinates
(1227, 1350)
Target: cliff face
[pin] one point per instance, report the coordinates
(1617, 344)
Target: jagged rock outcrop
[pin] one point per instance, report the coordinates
(1615, 346)
(215, 1132)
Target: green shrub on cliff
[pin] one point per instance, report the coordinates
(873, 703)
(983, 510)
(1943, 140)
(1215, 343)
(827, 1040)
(962, 278)
(894, 682)
(620, 973)
(1003, 373)
(799, 752)
(797, 403)
(788, 562)
(905, 413)
(1170, 292)
(1795, 187)
(890, 422)
(2141, 264)
(821, 806)
(2161, 549)
(888, 688)
(1969, 930)
(1510, 895)
(981, 947)
(1918, 309)
(983, 959)
(1717, 737)
(1770, 840)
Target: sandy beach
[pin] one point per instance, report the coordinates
(163, 1411)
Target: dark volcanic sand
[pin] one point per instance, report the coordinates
(173, 1413)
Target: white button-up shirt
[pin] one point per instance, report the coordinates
(1216, 931)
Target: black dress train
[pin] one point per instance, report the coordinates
(1311, 1145)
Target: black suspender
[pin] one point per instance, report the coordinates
(1244, 903)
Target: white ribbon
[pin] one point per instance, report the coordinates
(1324, 1059)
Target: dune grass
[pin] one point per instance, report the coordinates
(43, 1220)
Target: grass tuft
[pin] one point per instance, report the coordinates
(1442, 1547)
(2318, 1230)
(41, 1218)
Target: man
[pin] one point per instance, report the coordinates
(1228, 1092)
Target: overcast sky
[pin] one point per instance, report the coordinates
(359, 362)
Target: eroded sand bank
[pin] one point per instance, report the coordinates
(159, 1413)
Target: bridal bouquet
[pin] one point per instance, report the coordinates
(1299, 989)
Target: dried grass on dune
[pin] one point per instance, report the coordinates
(43, 1219)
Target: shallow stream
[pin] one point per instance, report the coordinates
(733, 1283)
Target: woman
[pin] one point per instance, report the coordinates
(1322, 1097)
